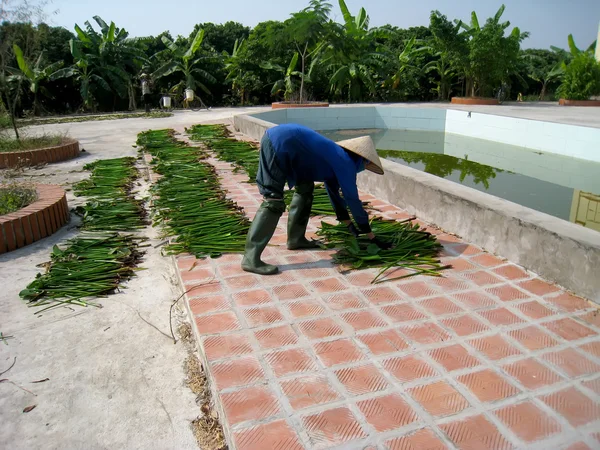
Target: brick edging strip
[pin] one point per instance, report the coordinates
(36, 221)
(62, 152)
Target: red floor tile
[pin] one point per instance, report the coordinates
(474, 300)
(259, 317)
(341, 351)
(361, 279)
(569, 329)
(593, 348)
(276, 337)
(538, 287)
(572, 363)
(328, 285)
(450, 283)
(408, 368)
(361, 379)
(418, 289)
(487, 260)
(320, 328)
(276, 435)
(305, 308)
(425, 333)
(460, 264)
(340, 302)
(290, 291)
(237, 372)
(197, 275)
(231, 270)
(309, 390)
(534, 310)
(217, 323)
(482, 278)
(252, 298)
(593, 385)
(382, 295)
(230, 345)
(592, 318)
(532, 374)
(439, 399)
(423, 439)
(454, 357)
(528, 421)
(383, 342)
(387, 412)
(211, 303)
(332, 427)
(569, 303)
(465, 325)
(507, 293)
(363, 320)
(533, 338)
(242, 282)
(501, 316)
(494, 347)
(573, 406)
(511, 272)
(475, 433)
(253, 403)
(440, 306)
(403, 312)
(287, 362)
(488, 386)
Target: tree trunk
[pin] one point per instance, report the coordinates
(303, 66)
(543, 93)
(131, 94)
(36, 108)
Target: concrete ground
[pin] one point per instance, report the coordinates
(116, 381)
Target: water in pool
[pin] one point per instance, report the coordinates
(564, 187)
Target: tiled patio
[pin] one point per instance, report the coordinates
(487, 357)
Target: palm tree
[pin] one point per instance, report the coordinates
(185, 61)
(35, 75)
(354, 56)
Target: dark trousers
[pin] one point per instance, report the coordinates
(270, 178)
(147, 102)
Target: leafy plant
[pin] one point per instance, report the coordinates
(285, 84)
(15, 196)
(184, 61)
(581, 78)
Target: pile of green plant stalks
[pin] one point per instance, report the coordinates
(412, 248)
(93, 264)
(96, 117)
(244, 156)
(189, 203)
(112, 206)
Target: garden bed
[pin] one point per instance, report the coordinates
(565, 102)
(36, 221)
(474, 101)
(66, 149)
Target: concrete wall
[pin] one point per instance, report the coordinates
(568, 140)
(555, 249)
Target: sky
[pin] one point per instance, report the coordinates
(548, 21)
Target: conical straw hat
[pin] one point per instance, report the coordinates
(364, 147)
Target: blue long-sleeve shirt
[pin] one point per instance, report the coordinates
(305, 155)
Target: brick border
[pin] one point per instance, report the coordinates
(68, 150)
(36, 221)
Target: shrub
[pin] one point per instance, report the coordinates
(581, 79)
(16, 196)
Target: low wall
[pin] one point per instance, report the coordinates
(555, 249)
(36, 221)
(68, 150)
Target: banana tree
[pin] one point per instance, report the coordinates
(240, 71)
(353, 55)
(406, 61)
(185, 61)
(84, 73)
(285, 84)
(35, 75)
(445, 73)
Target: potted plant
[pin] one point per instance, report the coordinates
(580, 81)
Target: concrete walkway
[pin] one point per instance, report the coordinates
(487, 357)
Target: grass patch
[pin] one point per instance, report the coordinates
(10, 144)
(91, 118)
(15, 196)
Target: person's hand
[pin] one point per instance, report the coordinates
(382, 245)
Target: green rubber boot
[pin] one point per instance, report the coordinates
(260, 233)
(299, 214)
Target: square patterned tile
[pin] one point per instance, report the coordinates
(387, 412)
(488, 386)
(341, 351)
(383, 342)
(332, 427)
(309, 390)
(532, 374)
(361, 379)
(439, 399)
